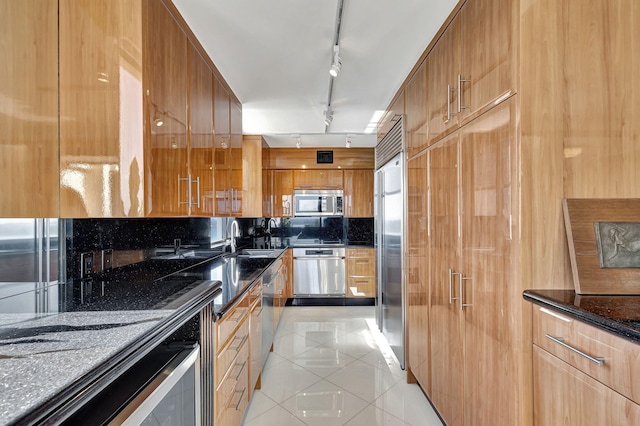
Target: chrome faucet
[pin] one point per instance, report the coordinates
(268, 232)
(235, 231)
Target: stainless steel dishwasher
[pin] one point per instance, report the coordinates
(319, 272)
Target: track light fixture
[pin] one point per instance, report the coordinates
(337, 62)
(298, 139)
(157, 119)
(348, 142)
(328, 117)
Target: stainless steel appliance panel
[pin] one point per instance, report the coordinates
(319, 272)
(318, 202)
(390, 230)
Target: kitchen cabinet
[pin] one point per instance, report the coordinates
(488, 55)
(417, 277)
(471, 225)
(472, 66)
(102, 160)
(222, 148)
(358, 193)
(236, 184)
(232, 364)
(391, 116)
(361, 272)
(416, 111)
(592, 393)
(443, 63)
(283, 193)
(255, 336)
(252, 177)
(287, 261)
(267, 182)
(199, 191)
(166, 99)
(317, 179)
(29, 85)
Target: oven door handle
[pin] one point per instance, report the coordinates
(149, 398)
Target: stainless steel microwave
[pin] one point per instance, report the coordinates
(318, 202)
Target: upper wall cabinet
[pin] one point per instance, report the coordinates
(200, 191)
(358, 193)
(101, 109)
(488, 56)
(29, 119)
(165, 78)
(317, 179)
(391, 116)
(415, 96)
(222, 153)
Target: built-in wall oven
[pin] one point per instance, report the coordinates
(318, 202)
(319, 272)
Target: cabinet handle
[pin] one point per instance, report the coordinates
(181, 179)
(451, 274)
(560, 340)
(362, 262)
(237, 376)
(236, 406)
(239, 345)
(449, 90)
(197, 181)
(460, 81)
(304, 186)
(462, 278)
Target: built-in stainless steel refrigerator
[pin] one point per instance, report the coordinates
(389, 224)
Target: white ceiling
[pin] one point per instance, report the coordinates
(276, 55)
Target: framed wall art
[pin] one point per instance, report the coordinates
(604, 244)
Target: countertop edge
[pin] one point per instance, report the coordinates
(599, 321)
(63, 404)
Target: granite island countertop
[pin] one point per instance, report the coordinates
(50, 356)
(617, 314)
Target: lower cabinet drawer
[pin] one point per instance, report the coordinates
(607, 358)
(361, 287)
(232, 412)
(231, 352)
(364, 267)
(564, 395)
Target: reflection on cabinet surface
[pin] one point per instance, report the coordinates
(101, 105)
(222, 144)
(358, 193)
(391, 117)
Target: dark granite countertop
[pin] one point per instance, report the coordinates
(48, 356)
(617, 314)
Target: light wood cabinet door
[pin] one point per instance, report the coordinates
(358, 193)
(390, 117)
(565, 395)
(222, 148)
(416, 111)
(443, 65)
(283, 193)
(488, 55)
(236, 188)
(490, 300)
(361, 272)
(445, 318)
(200, 190)
(29, 121)
(101, 102)
(317, 179)
(166, 88)
(417, 277)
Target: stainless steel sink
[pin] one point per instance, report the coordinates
(259, 253)
(188, 254)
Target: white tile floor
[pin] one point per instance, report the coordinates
(330, 366)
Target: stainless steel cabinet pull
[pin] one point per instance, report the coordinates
(460, 81)
(237, 404)
(239, 345)
(237, 376)
(197, 181)
(461, 281)
(181, 179)
(449, 90)
(560, 340)
(451, 274)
